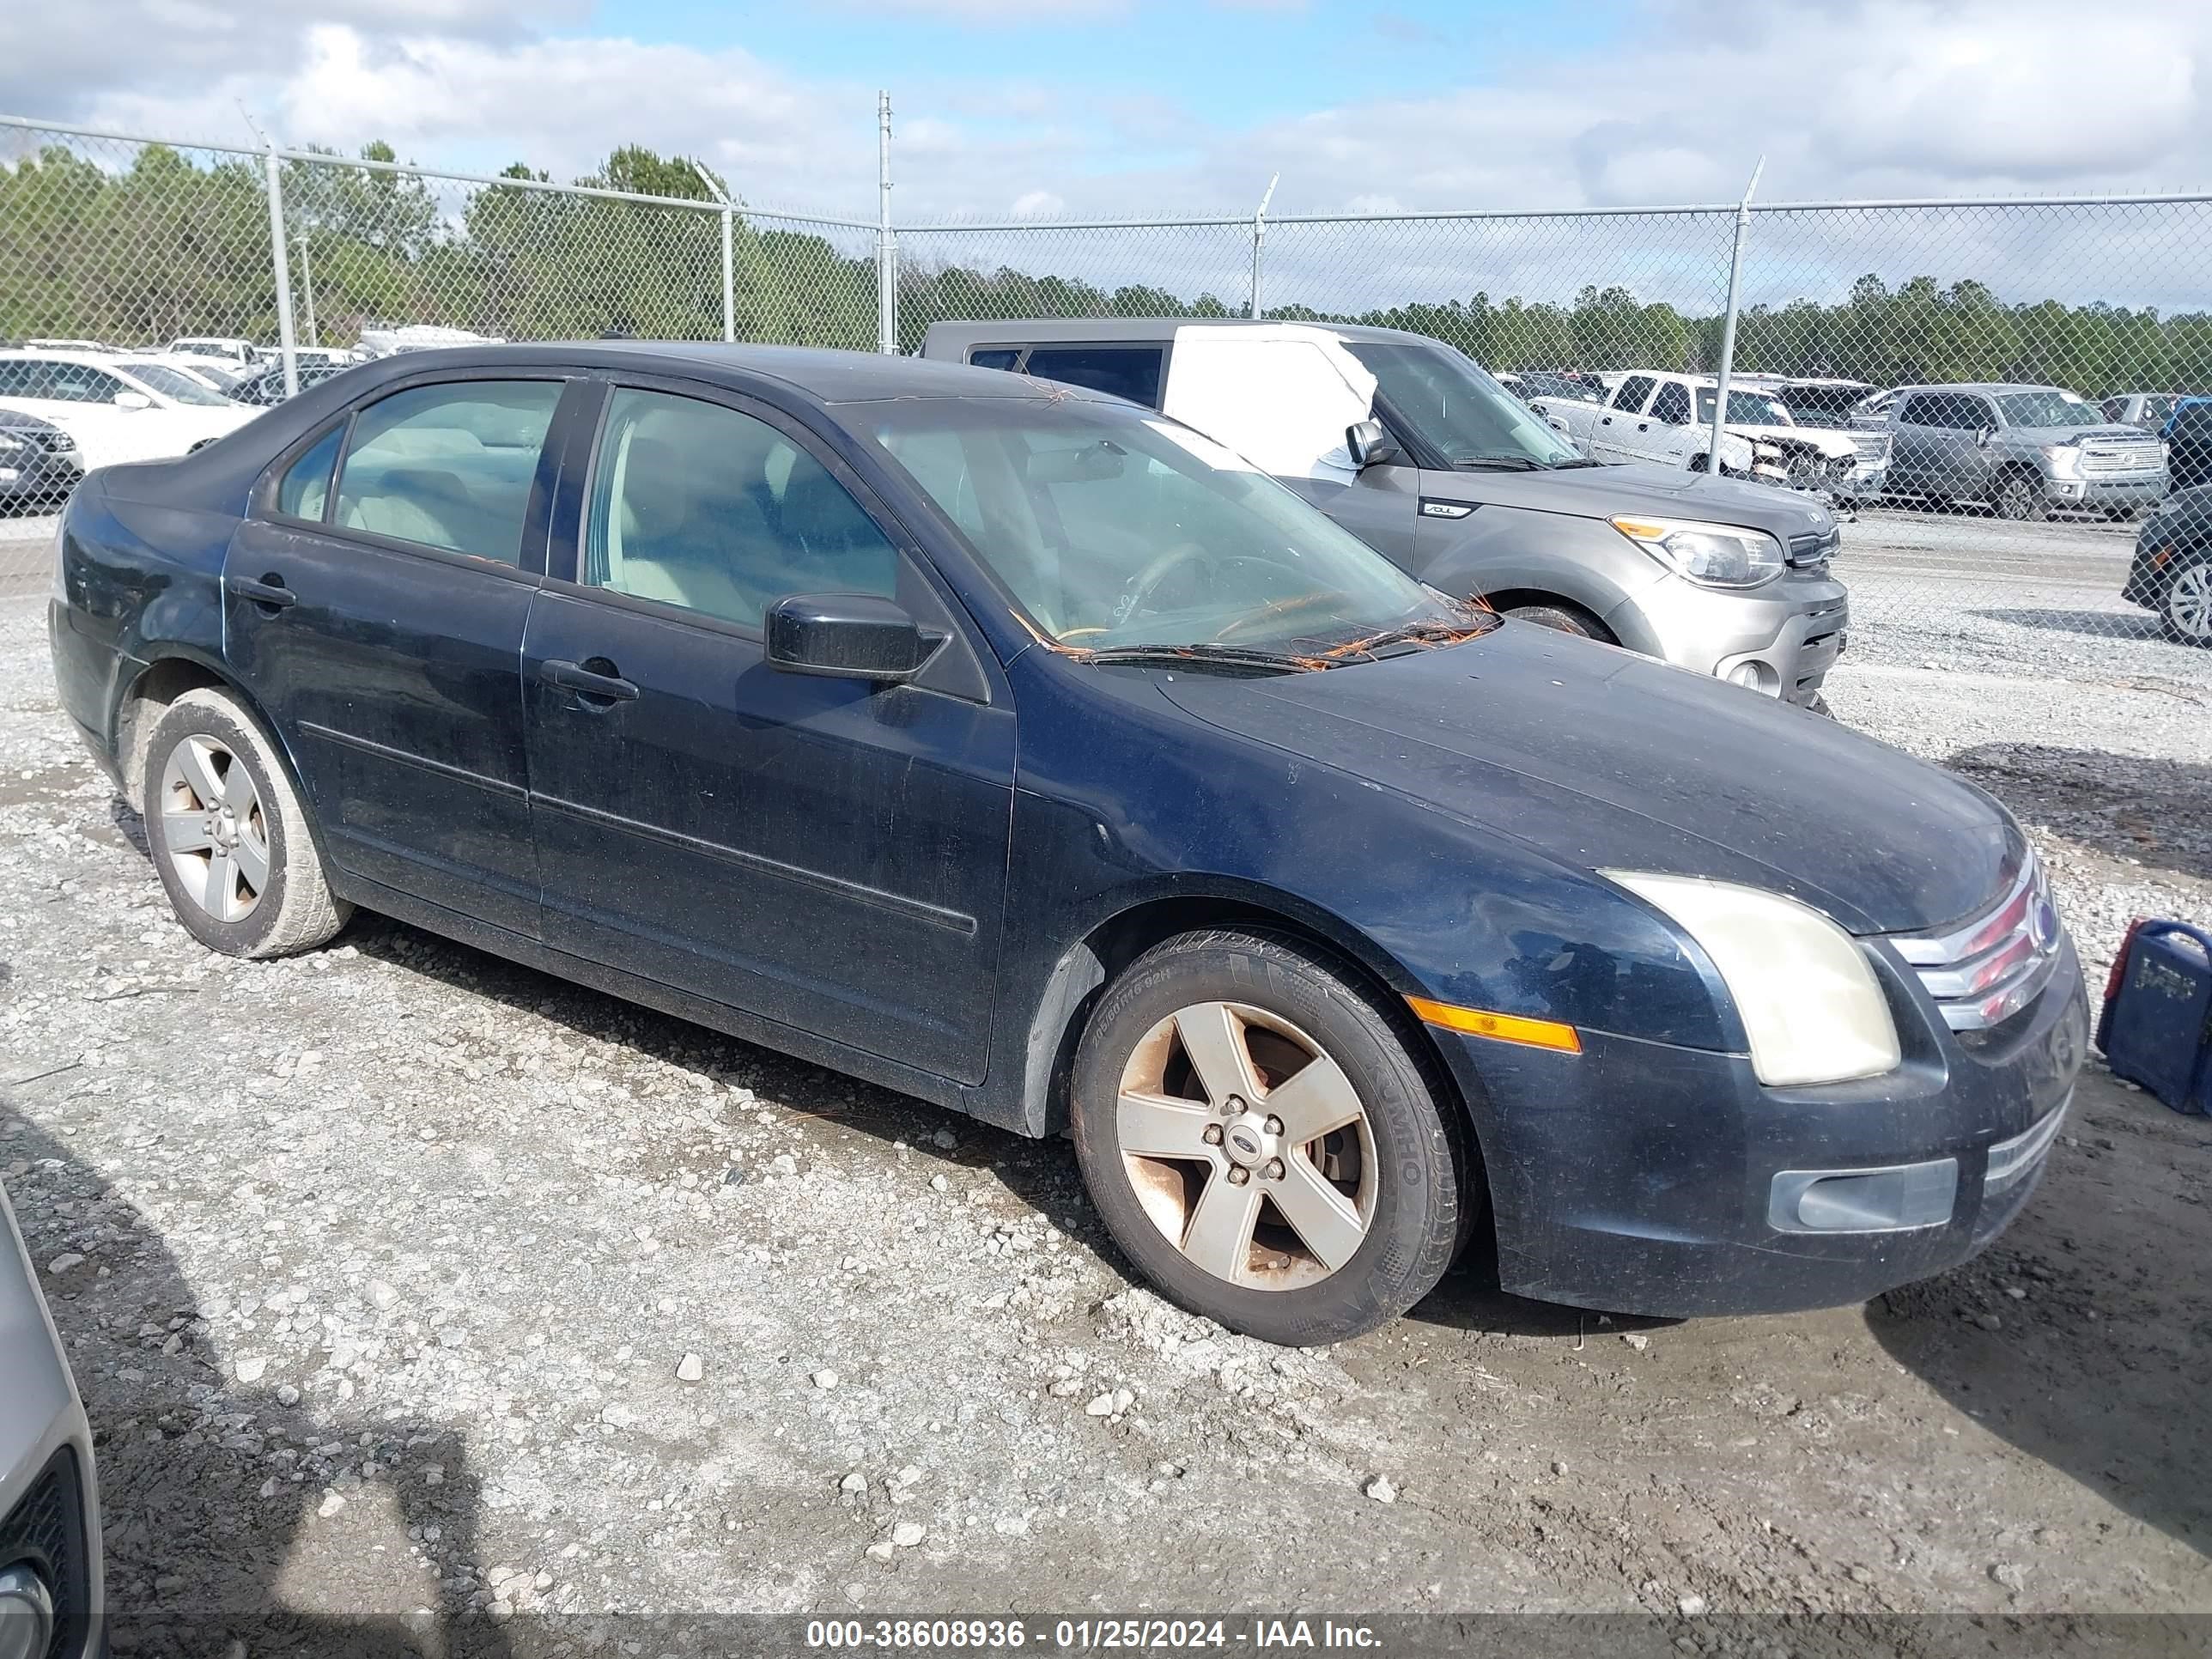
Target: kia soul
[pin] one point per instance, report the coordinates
(1019, 748)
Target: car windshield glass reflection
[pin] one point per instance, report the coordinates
(1113, 528)
(2048, 408)
(1456, 409)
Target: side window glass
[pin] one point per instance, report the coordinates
(448, 467)
(1975, 413)
(306, 490)
(700, 506)
(80, 383)
(1924, 408)
(995, 356)
(1131, 372)
(1633, 391)
(19, 379)
(1672, 405)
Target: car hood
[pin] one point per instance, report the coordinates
(2035, 436)
(1827, 440)
(1603, 759)
(1601, 492)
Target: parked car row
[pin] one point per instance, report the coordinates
(2023, 450)
(117, 408)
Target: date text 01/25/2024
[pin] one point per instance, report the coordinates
(952, 1635)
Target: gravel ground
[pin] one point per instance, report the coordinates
(423, 1303)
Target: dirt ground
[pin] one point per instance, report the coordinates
(385, 1272)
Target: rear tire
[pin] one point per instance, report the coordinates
(2184, 614)
(1200, 1045)
(1566, 618)
(229, 836)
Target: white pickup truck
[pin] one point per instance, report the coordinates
(1668, 419)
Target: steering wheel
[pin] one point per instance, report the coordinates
(1141, 585)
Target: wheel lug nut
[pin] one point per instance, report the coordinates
(1213, 1134)
(1274, 1169)
(1274, 1124)
(1232, 1107)
(1238, 1174)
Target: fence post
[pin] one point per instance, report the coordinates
(729, 275)
(1258, 235)
(286, 343)
(886, 251)
(1728, 326)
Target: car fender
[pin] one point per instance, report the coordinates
(1511, 549)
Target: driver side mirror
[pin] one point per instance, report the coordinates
(1982, 435)
(132, 400)
(852, 636)
(1369, 445)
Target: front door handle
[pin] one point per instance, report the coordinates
(595, 680)
(1644, 426)
(1608, 421)
(269, 593)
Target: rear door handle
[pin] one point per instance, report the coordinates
(1608, 421)
(269, 591)
(605, 688)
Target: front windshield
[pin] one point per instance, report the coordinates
(1456, 409)
(1114, 527)
(2047, 408)
(175, 384)
(1744, 408)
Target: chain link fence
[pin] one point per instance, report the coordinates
(1986, 514)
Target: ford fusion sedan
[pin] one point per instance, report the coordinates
(1017, 747)
(49, 1577)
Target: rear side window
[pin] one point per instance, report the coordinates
(1924, 409)
(80, 383)
(1131, 372)
(700, 506)
(22, 378)
(1633, 391)
(305, 491)
(995, 356)
(1673, 404)
(448, 467)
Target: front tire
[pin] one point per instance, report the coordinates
(229, 837)
(2018, 498)
(2185, 613)
(1563, 618)
(1263, 1142)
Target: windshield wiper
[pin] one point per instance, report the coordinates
(1499, 463)
(1203, 654)
(1419, 633)
(1579, 460)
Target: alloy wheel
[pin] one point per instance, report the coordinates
(213, 829)
(2189, 604)
(1246, 1146)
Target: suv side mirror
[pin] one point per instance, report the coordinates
(852, 636)
(1982, 435)
(133, 400)
(1369, 445)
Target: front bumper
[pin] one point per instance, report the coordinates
(2140, 489)
(1783, 637)
(1641, 1178)
(39, 478)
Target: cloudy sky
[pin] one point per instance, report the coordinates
(1076, 106)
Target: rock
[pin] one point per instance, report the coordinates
(938, 1183)
(251, 1369)
(1559, 1466)
(2015, 1293)
(1635, 1339)
(824, 1378)
(909, 1475)
(617, 1415)
(907, 1533)
(61, 1263)
(880, 1551)
(945, 1139)
(854, 1484)
(690, 1369)
(1100, 1406)
(1123, 1399)
(1382, 1490)
(1691, 1606)
(381, 1296)
(1988, 1321)
(288, 1395)
(2011, 1575)
(784, 1164)
(332, 1503)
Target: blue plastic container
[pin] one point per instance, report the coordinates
(2157, 1024)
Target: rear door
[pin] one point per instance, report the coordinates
(1917, 447)
(1664, 433)
(373, 605)
(830, 854)
(1615, 435)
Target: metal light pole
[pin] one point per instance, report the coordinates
(886, 249)
(1727, 327)
(1258, 235)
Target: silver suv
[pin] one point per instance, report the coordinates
(1410, 446)
(2023, 449)
(49, 1582)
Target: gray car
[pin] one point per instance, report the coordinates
(2025, 450)
(1412, 446)
(50, 1578)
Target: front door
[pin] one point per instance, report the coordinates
(827, 854)
(373, 604)
(1614, 436)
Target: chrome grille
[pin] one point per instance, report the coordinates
(1873, 447)
(2109, 457)
(1982, 973)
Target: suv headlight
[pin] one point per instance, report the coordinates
(1717, 554)
(1802, 987)
(12, 445)
(2064, 459)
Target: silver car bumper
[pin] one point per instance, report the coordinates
(48, 1500)
(1780, 639)
(2137, 490)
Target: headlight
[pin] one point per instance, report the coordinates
(1717, 554)
(1806, 995)
(12, 445)
(2063, 457)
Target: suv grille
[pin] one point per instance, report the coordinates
(1814, 547)
(1873, 447)
(47, 1529)
(1982, 973)
(2121, 455)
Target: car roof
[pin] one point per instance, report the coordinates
(1110, 329)
(826, 375)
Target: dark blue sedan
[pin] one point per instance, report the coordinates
(1021, 749)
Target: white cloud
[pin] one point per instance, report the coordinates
(1038, 204)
